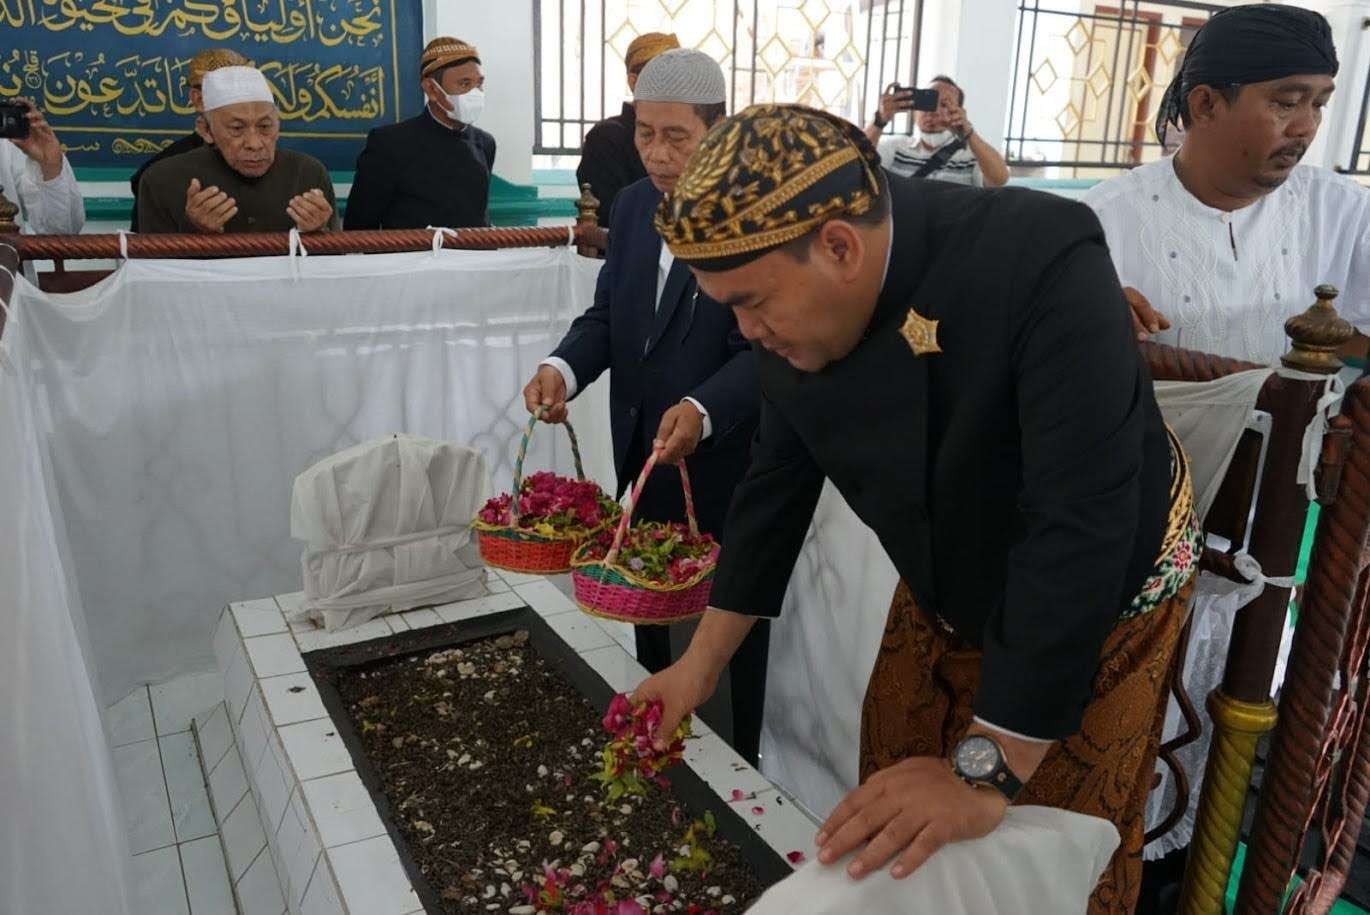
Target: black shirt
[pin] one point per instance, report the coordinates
(1018, 479)
(261, 201)
(421, 173)
(183, 145)
(609, 161)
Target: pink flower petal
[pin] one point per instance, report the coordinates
(796, 857)
(658, 867)
(758, 810)
(739, 795)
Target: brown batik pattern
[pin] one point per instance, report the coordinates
(919, 699)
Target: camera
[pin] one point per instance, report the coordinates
(14, 121)
(923, 99)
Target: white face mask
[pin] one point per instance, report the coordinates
(936, 140)
(467, 107)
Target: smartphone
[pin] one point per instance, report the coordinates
(14, 121)
(923, 99)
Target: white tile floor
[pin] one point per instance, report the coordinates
(178, 860)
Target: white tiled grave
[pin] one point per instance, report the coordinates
(301, 832)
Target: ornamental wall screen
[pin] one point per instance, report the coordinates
(1088, 79)
(830, 54)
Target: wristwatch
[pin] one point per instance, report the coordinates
(979, 761)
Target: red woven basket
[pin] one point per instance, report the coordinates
(607, 589)
(506, 547)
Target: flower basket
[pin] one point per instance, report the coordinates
(544, 551)
(609, 588)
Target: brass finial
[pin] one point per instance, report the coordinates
(587, 207)
(8, 211)
(1317, 335)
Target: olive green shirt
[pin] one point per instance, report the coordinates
(261, 201)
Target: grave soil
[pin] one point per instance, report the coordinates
(485, 754)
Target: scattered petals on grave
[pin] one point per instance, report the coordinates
(510, 801)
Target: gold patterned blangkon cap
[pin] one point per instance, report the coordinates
(443, 52)
(211, 59)
(764, 177)
(647, 46)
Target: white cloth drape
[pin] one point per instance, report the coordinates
(1209, 419)
(823, 649)
(179, 400)
(63, 845)
(1039, 860)
(387, 528)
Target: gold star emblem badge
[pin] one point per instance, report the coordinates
(921, 334)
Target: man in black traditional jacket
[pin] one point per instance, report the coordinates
(609, 160)
(434, 169)
(960, 363)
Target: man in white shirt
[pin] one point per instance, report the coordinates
(946, 146)
(682, 378)
(1218, 245)
(35, 175)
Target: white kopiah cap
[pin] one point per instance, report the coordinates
(682, 75)
(234, 85)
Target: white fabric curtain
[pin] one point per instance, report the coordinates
(178, 401)
(63, 845)
(823, 649)
(1209, 418)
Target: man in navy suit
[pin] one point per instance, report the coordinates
(683, 378)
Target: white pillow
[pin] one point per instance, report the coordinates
(1039, 860)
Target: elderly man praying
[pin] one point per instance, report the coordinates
(241, 182)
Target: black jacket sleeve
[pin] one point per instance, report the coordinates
(768, 520)
(156, 210)
(603, 168)
(1082, 459)
(373, 186)
(588, 344)
(732, 394)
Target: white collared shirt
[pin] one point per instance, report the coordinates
(1227, 282)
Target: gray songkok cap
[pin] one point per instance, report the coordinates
(682, 75)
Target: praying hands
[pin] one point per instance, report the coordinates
(209, 209)
(311, 210)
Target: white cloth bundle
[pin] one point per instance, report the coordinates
(1040, 859)
(387, 528)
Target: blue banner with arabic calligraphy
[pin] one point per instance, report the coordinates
(111, 74)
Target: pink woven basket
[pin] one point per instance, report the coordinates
(608, 589)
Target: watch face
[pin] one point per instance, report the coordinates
(977, 757)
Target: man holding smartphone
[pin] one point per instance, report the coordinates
(946, 146)
(35, 174)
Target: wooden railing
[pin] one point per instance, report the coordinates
(586, 235)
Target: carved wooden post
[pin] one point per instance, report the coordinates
(587, 222)
(1290, 775)
(1241, 708)
(8, 213)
